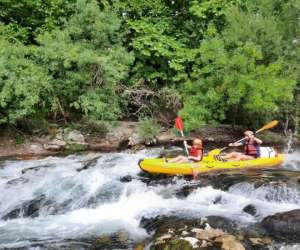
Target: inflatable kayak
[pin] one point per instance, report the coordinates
(208, 164)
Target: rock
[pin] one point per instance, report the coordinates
(126, 178)
(102, 242)
(135, 139)
(75, 136)
(37, 168)
(57, 142)
(139, 247)
(174, 244)
(55, 145)
(229, 242)
(91, 162)
(122, 237)
(260, 241)
(162, 239)
(105, 146)
(284, 225)
(250, 209)
(118, 240)
(207, 234)
(17, 181)
(225, 224)
(193, 241)
(27, 209)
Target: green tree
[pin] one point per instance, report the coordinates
(240, 73)
(22, 83)
(86, 61)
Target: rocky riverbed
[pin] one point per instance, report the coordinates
(104, 201)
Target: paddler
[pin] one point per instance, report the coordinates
(251, 148)
(195, 153)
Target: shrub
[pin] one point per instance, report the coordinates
(148, 128)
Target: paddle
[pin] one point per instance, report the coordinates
(269, 125)
(179, 126)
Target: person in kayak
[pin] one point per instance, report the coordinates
(251, 148)
(195, 153)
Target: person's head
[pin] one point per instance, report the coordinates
(248, 133)
(197, 143)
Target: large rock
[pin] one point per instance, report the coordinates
(207, 234)
(229, 242)
(284, 226)
(75, 136)
(55, 145)
(27, 209)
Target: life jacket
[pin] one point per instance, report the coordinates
(195, 152)
(251, 148)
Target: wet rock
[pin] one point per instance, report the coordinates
(150, 224)
(284, 225)
(254, 231)
(118, 240)
(250, 209)
(218, 200)
(27, 209)
(207, 234)
(89, 163)
(37, 168)
(20, 180)
(260, 241)
(186, 190)
(174, 244)
(126, 178)
(229, 242)
(225, 224)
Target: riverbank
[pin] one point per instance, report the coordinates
(124, 135)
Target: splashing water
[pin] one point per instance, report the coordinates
(50, 200)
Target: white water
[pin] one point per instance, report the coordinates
(76, 205)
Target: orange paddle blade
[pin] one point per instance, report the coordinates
(271, 124)
(179, 124)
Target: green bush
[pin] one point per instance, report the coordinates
(148, 128)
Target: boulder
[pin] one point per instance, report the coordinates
(284, 225)
(27, 209)
(75, 136)
(55, 145)
(250, 209)
(207, 234)
(229, 242)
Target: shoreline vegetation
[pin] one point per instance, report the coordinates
(209, 62)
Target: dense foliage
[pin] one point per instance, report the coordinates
(211, 61)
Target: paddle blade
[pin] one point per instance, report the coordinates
(179, 124)
(270, 125)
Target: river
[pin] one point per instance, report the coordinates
(53, 203)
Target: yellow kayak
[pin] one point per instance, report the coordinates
(208, 163)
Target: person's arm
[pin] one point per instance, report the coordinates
(258, 141)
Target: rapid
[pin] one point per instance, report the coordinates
(57, 202)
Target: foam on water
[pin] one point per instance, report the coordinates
(81, 204)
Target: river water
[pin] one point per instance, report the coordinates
(49, 203)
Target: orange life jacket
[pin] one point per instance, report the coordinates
(196, 152)
(251, 148)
